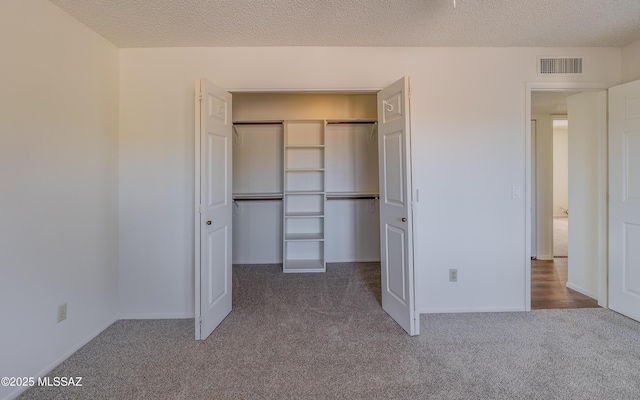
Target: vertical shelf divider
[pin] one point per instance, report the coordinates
(304, 181)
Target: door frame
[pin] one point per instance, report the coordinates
(602, 180)
(197, 259)
(532, 193)
(196, 209)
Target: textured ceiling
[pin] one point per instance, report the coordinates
(474, 23)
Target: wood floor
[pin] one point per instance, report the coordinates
(548, 287)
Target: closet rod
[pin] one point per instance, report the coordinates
(260, 123)
(258, 199)
(351, 122)
(353, 198)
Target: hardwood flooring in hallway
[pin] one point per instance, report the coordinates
(548, 287)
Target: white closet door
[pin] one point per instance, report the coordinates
(213, 279)
(624, 199)
(396, 224)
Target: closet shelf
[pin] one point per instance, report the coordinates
(352, 196)
(305, 146)
(280, 122)
(304, 215)
(304, 192)
(257, 196)
(314, 237)
(351, 121)
(304, 169)
(305, 266)
(359, 195)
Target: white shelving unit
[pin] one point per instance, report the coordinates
(304, 196)
(329, 171)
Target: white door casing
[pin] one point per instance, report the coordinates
(534, 213)
(624, 199)
(396, 222)
(213, 207)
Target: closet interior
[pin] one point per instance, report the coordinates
(305, 179)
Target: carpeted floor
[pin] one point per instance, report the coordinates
(324, 336)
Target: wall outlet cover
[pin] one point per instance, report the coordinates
(62, 312)
(453, 275)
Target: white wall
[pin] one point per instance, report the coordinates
(468, 127)
(560, 172)
(281, 106)
(631, 62)
(544, 186)
(587, 130)
(58, 185)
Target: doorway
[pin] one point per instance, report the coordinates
(305, 165)
(554, 281)
(396, 218)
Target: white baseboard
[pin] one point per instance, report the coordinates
(157, 316)
(61, 359)
(353, 261)
(582, 290)
(261, 261)
(545, 258)
(469, 310)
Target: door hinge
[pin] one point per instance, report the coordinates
(200, 209)
(200, 96)
(200, 320)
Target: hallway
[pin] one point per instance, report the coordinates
(548, 287)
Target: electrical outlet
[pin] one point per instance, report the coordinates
(62, 312)
(453, 275)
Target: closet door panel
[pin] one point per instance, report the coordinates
(257, 232)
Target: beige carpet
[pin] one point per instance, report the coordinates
(560, 236)
(325, 336)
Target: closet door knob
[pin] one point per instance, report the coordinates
(403, 219)
(208, 222)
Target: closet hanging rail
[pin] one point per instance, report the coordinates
(355, 122)
(353, 196)
(259, 123)
(258, 197)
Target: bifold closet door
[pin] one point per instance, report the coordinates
(624, 199)
(396, 217)
(214, 208)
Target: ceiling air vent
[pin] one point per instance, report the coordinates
(559, 66)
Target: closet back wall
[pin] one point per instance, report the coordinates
(351, 226)
(281, 106)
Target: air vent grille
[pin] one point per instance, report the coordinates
(559, 66)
